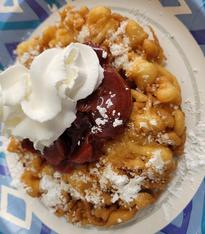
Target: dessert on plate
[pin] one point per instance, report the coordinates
(93, 116)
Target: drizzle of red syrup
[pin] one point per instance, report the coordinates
(79, 144)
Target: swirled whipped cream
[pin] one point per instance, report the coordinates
(40, 103)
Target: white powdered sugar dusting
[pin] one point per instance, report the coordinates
(122, 61)
(131, 189)
(79, 177)
(117, 122)
(93, 197)
(104, 54)
(109, 103)
(164, 139)
(53, 188)
(156, 161)
(103, 119)
(74, 193)
(102, 112)
(120, 30)
(100, 121)
(52, 191)
(120, 50)
(114, 178)
(95, 129)
(16, 170)
(125, 189)
(195, 147)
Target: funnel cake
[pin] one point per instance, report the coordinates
(122, 149)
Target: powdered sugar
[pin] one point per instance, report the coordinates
(52, 192)
(164, 139)
(120, 50)
(195, 147)
(104, 54)
(116, 179)
(93, 197)
(102, 112)
(109, 103)
(122, 62)
(125, 189)
(191, 163)
(117, 122)
(120, 30)
(16, 170)
(95, 129)
(104, 117)
(53, 188)
(101, 121)
(129, 192)
(80, 177)
(156, 161)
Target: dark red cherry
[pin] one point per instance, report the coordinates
(112, 103)
(56, 153)
(83, 155)
(28, 145)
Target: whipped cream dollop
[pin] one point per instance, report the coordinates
(40, 103)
